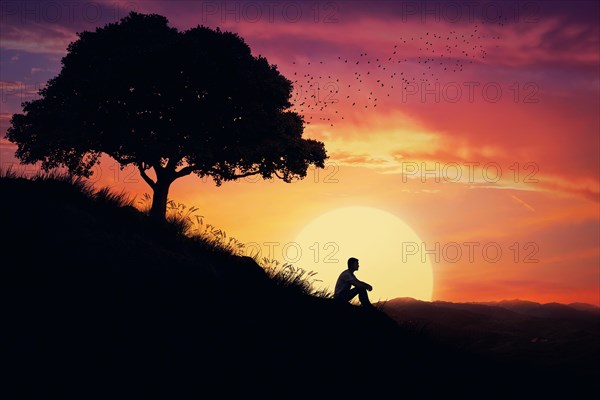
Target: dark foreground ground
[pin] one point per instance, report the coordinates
(99, 303)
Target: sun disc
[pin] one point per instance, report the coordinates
(377, 239)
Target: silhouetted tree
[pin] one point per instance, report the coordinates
(195, 101)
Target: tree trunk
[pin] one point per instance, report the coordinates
(159, 199)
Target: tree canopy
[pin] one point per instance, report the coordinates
(177, 102)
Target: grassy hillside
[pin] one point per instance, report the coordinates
(98, 302)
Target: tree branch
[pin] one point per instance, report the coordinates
(245, 174)
(185, 171)
(191, 168)
(146, 177)
(172, 163)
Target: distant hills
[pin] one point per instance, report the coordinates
(551, 337)
(546, 310)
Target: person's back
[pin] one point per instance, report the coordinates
(343, 285)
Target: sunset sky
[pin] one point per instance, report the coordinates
(471, 122)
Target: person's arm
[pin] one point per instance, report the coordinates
(360, 284)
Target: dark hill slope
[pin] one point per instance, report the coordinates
(99, 303)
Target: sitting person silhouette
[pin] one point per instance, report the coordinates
(348, 286)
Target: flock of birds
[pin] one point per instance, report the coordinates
(377, 77)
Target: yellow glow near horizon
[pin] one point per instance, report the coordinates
(376, 238)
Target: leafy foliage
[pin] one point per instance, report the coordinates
(175, 102)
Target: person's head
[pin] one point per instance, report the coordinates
(353, 264)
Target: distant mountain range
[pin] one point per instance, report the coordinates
(546, 310)
(551, 336)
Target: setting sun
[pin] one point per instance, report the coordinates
(376, 238)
